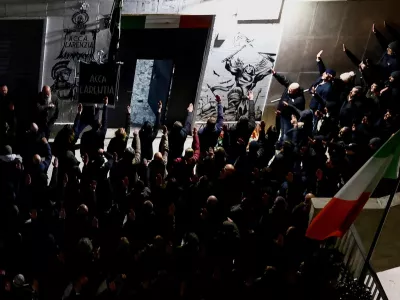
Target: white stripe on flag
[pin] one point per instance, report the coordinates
(162, 21)
(366, 178)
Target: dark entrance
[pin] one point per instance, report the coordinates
(183, 47)
(20, 59)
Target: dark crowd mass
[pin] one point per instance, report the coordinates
(224, 219)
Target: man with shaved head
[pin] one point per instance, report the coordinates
(292, 102)
(47, 110)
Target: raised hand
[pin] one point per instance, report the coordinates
(262, 125)
(80, 108)
(44, 140)
(194, 131)
(55, 162)
(190, 108)
(273, 71)
(373, 28)
(164, 130)
(344, 48)
(319, 54)
(128, 109)
(159, 106)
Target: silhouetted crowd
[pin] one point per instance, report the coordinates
(225, 218)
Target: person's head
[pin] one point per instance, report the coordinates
(328, 75)
(280, 205)
(308, 198)
(46, 91)
(393, 48)
(227, 171)
(374, 88)
(211, 123)
(355, 91)
(189, 153)
(36, 159)
(82, 210)
(7, 150)
(394, 76)
(387, 116)
(148, 207)
(212, 205)
(4, 90)
(146, 129)
(120, 133)
(177, 125)
(34, 128)
(287, 147)
(293, 88)
(158, 157)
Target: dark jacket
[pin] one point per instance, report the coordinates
(46, 116)
(177, 138)
(93, 140)
(209, 137)
(147, 135)
(297, 100)
(323, 91)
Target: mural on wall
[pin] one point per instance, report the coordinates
(79, 44)
(241, 69)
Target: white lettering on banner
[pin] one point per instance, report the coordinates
(97, 90)
(98, 79)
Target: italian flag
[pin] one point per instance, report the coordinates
(338, 215)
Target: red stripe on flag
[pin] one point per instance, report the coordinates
(188, 21)
(336, 217)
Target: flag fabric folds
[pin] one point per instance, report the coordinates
(342, 210)
(115, 30)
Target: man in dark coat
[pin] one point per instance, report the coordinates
(292, 99)
(178, 135)
(210, 133)
(93, 140)
(47, 110)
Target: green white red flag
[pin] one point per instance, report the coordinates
(342, 210)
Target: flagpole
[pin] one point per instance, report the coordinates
(379, 229)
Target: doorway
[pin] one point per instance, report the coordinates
(151, 84)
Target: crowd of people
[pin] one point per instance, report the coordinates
(226, 217)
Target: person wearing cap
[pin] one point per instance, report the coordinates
(321, 89)
(388, 62)
(291, 101)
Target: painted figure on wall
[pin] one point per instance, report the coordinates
(61, 74)
(243, 70)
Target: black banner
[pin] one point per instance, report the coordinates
(97, 81)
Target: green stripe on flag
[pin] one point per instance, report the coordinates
(133, 22)
(391, 147)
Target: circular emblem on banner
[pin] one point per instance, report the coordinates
(80, 18)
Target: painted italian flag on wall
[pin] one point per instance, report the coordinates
(341, 211)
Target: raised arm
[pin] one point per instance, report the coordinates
(164, 146)
(220, 114)
(252, 110)
(320, 63)
(136, 141)
(281, 79)
(196, 145)
(48, 155)
(157, 124)
(188, 122)
(104, 121)
(77, 121)
(128, 121)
